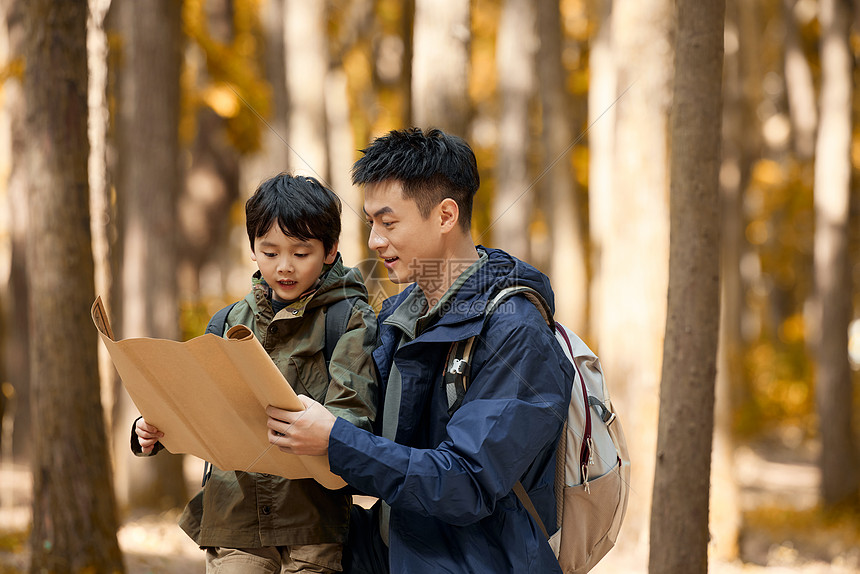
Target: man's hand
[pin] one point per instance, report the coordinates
(147, 435)
(301, 432)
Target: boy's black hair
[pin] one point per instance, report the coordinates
(303, 208)
(430, 167)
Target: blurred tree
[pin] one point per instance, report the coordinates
(734, 176)
(14, 356)
(679, 513)
(602, 95)
(307, 65)
(631, 313)
(840, 467)
(74, 514)
(799, 88)
(568, 259)
(514, 190)
(147, 188)
(212, 178)
(440, 64)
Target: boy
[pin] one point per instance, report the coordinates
(250, 522)
(445, 478)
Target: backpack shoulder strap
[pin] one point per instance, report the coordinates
(219, 321)
(336, 319)
(458, 363)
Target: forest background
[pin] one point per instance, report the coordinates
(132, 132)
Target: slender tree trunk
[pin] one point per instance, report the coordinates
(514, 193)
(147, 190)
(342, 148)
(74, 516)
(440, 65)
(635, 251)
(679, 512)
(602, 94)
(16, 350)
(839, 464)
(724, 503)
(798, 86)
(568, 259)
(102, 210)
(307, 65)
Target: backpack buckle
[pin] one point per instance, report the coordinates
(458, 367)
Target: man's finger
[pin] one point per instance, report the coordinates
(281, 414)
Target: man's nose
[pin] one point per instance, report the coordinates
(375, 240)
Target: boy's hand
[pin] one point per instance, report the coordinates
(147, 435)
(304, 432)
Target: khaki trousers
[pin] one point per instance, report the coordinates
(310, 558)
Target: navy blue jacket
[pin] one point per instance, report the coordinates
(449, 479)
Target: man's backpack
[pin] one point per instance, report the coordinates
(592, 479)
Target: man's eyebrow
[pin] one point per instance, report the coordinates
(382, 211)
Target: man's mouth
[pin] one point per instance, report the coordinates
(389, 261)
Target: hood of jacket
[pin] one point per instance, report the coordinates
(463, 315)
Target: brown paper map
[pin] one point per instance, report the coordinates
(208, 396)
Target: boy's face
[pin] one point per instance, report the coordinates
(408, 243)
(289, 265)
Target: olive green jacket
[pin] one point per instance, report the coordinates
(249, 510)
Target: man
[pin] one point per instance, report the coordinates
(445, 478)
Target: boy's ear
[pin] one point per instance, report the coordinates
(449, 214)
(253, 255)
(331, 255)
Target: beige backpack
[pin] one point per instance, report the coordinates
(592, 479)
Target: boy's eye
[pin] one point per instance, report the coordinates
(270, 255)
(301, 255)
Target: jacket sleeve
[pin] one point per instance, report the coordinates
(353, 389)
(512, 413)
(135, 444)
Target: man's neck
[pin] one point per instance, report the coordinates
(456, 261)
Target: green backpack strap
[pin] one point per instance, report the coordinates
(336, 319)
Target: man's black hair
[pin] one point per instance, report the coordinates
(303, 208)
(430, 167)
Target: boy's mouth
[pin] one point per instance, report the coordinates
(287, 282)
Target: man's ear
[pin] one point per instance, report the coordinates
(331, 255)
(449, 215)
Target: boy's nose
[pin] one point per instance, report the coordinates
(285, 266)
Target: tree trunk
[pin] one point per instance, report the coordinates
(839, 464)
(514, 193)
(679, 512)
(148, 183)
(725, 515)
(102, 209)
(212, 180)
(440, 65)
(342, 148)
(15, 352)
(568, 259)
(631, 314)
(602, 94)
(74, 515)
(307, 65)
(799, 86)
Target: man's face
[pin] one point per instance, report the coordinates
(407, 243)
(289, 265)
